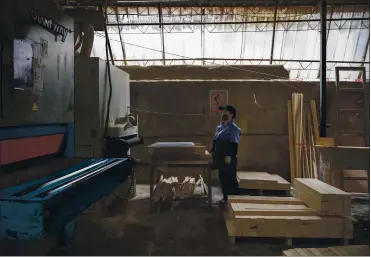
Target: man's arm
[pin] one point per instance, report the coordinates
(235, 139)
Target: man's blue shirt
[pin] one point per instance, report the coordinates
(229, 132)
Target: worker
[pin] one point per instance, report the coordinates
(224, 151)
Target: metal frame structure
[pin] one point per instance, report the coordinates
(323, 78)
(315, 23)
(323, 23)
(212, 3)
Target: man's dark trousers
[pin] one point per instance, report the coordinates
(228, 178)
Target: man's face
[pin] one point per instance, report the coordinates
(228, 116)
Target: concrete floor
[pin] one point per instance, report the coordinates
(132, 229)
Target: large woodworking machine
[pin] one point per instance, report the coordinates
(83, 113)
(49, 206)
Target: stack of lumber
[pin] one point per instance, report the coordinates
(176, 149)
(351, 250)
(303, 163)
(315, 212)
(262, 181)
(165, 188)
(172, 188)
(324, 198)
(188, 187)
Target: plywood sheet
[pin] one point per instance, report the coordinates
(325, 199)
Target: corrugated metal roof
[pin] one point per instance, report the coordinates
(238, 43)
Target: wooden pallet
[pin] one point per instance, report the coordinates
(262, 181)
(350, 250)
(288, 218)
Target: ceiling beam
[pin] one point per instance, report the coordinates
(206, 3)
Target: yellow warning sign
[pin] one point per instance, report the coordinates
(34, 107)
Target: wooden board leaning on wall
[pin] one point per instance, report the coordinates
(304, 137)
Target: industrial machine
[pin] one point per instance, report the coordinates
(50, 205)
(102, 113)
(80, 108)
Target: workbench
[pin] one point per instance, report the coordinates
(202, 161)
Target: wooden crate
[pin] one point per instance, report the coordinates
(292, 226)
(325, 199)
(282, 217)
(262, 181)
(350, 250)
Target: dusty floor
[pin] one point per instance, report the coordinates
(191, 229)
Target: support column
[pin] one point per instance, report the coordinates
(162, 35)
(274, 32)
(121, 41)
(323, 91)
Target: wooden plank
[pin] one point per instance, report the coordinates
(229, 225)
(335, 251)
(291, 140)
(281, 181)
(319, 141)
(290, 252)
(305, 148)
(315, 252)
(256, 176)
(262, 181)
(312, 149)
(325, 199)
(297, 133)
(267, 206)
(176, 148)
(268, 212)
(301, 252)
(351, 250)
(264, 199)
(326, 252)
(292, 226)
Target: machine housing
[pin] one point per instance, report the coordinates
(92, 90)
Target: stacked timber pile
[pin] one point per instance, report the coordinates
(325, 199)
(170, 189)
(302, 129)
(262, 181)
(351, 250)
(318, 211)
